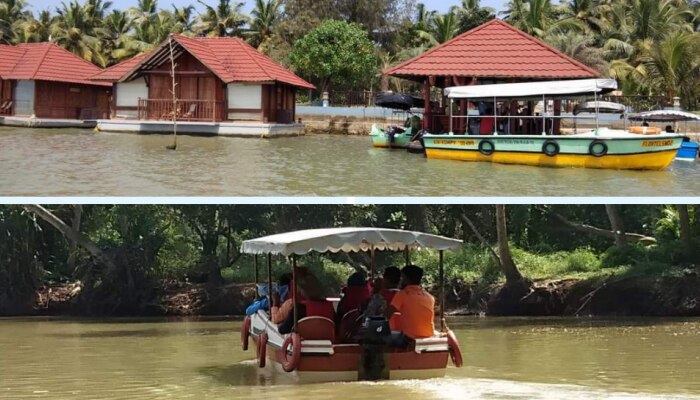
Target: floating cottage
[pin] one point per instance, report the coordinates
(494, 52)
(223, 86)
(42, 84)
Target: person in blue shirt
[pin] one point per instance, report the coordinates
(262, 303)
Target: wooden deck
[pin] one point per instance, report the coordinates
(234, 129)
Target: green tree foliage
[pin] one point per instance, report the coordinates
(336, 54)
(152, 243)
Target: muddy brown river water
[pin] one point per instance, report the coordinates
(201, 359)
(83, 163)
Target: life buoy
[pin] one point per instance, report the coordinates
(455, 351)
(645, 130)
(486, 147)
(598, 148)
(261, 352)
(291, 362)
(245, 333)
(550, 148)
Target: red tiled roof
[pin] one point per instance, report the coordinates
(115, 72)
(46, 62)
(231, 59)
(494, 50)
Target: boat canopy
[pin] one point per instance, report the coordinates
(533, 89)
(664, 116)
(335, 240)
(607, 107)
(400, 101)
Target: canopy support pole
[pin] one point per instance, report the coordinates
(255, 264)
(452, 103)
(294, 293)
(544, 116)
(371, 264)
(597, 112)
(466, 110)
(407, 255)
(442, 292)
(269, 283)
(495, 117)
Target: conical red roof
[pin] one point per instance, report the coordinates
(494, 50)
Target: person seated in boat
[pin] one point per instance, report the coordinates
(487, 122)
(417, 308)
(645, 124)
(311, 301)
(282, 289)
(355, 294)
(669, 129)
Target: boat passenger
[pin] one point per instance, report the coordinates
(355, 294)
(282, 288)
(645, 124)
(487, 122)
(669, 129)
(311, 301)
(392, 280)
(417, 308)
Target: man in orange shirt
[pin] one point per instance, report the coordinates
(417, 308)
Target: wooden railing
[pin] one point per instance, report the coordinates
(6, 106)
(186, 110)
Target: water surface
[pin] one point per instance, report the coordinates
(198, 359)
(35, 162)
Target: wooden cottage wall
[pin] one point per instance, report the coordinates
(70, 101)
(194, 82)
(279, 102)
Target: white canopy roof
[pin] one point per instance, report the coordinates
(346, 240)
(533, 89)
(602, 106)
(664, 116)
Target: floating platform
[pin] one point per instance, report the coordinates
(234, 129)
(29, 122)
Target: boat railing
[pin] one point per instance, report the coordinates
(184, 110)
(6, 106)
(544, 124)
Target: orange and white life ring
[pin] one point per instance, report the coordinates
(645, 130)
(455, 351)
(245, 333)
(291, 362)
(261, 352)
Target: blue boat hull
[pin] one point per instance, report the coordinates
(688, 151)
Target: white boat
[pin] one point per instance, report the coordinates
(601, 147)
(316, 351)
(689, 149)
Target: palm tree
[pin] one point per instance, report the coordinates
(31, 30)
(183, 18)
(581, 48)
(672, 66)
(75, 30)
(440, 29)
(535, 17)
(265, 16)
(11, 12)
(224, 20)
(423, 17)
(471, 14)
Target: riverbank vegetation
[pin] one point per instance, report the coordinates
(651, 46)
(155, 259)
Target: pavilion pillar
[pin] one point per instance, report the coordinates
(556, 127)
(427, 116)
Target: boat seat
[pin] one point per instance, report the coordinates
(432, 344)
(348, 325)
(316, 328)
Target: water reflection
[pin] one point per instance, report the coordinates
(67, 163)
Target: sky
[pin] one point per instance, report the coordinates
(441, 5)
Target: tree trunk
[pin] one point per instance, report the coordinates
(75, 224)
(616, 224)
(593, 230)
(510, 270)
(686, 235)
(417, 217)
(71, 234)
